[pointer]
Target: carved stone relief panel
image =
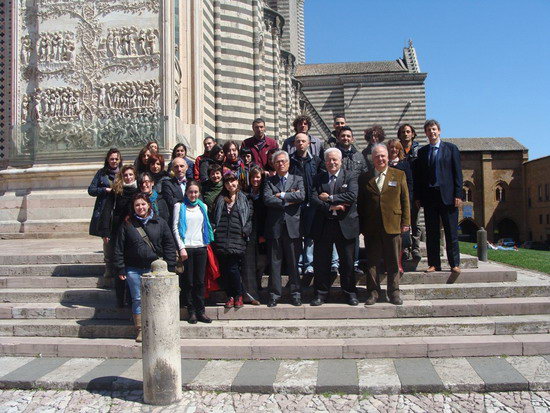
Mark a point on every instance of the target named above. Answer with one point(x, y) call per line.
point(89, 74)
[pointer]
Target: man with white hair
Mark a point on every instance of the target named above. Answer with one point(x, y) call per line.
point(336, 223)
point(384, 213)
point(283, 194)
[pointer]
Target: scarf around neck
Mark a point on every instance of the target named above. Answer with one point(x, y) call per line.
point(207, 233)
point(145, 220)
point(130, 185)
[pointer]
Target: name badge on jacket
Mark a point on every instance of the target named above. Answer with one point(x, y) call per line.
point(392, 183)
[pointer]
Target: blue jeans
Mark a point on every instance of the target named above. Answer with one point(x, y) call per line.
point(305, 262)
point(133, 277)
point(334, 262)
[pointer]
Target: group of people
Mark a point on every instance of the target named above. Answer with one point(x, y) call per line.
point(302, 207)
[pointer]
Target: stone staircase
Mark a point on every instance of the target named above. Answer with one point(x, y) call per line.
point(52, 303)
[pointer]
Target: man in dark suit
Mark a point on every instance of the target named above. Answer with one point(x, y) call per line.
point(173, 189)
point(438, 188)
point(336, 222)
point(384, 213)
point(283, 194)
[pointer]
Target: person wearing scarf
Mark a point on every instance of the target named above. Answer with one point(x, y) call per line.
point(133, 255)
point(193, 233)
point(101, 189)
point(146, 185)
point(232, 220)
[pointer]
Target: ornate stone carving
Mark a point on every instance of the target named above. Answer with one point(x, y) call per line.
point(127, 42)
point(89, 112)
point(128, 95)
point(61, 103)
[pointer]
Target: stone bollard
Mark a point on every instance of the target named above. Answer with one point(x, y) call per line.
point(161, 336)
point(482, 244)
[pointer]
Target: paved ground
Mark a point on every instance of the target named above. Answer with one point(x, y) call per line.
point(131, 401)
point(346, 376)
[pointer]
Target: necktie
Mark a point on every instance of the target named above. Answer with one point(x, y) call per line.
point(332, 183)
point(433, 155)
point(433, 166)
point(380, 181)
point(283, 181)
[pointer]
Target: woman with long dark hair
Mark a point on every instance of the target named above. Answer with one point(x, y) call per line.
point(142, 238)
point(216, 156)
point(193, 233)
point(254, 259)
point(232, 223)
point(141, 161)
point(234, 164)
point(155, 166)
point(100, 187)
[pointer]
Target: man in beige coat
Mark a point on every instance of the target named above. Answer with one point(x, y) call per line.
point(384, 213)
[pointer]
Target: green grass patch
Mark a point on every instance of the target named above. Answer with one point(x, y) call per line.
point(529, 259)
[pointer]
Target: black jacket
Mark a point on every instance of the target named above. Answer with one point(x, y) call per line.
point(117, 207)
point(449, 173)
point(353, 161)
point(172, 194)
point(258, 215)
point(404, 166)
point(98, 188)
point(132, 251)
point(232, 229)
point(345, 192)
point(307, 168)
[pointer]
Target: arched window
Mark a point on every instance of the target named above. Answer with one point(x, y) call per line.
point(500, 194)
point(467, 194)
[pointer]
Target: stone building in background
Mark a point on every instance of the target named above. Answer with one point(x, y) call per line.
point(387, 93)
point(537, 201)
point(493, 187)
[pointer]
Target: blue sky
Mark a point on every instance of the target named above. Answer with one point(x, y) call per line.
point(488, 61)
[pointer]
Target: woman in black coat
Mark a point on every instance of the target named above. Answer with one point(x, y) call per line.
point(101, 189)
point(232, 224)
point(135, 251)
point(254, 259)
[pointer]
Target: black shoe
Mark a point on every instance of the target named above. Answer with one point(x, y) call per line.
point(272, 302)
point(296, 302)
point(192, 319)
point(353, 301)
point(395, 298)
point(358, 270)
point(317, 302)
point(373, 298)
point(416, 255)
point(203, 318)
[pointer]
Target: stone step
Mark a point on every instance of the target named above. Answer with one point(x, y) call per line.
point(51, 282)
point(57, 295)
point(42, 235)
point(90, 275)
point(52, 259)
point(466, 261)
point(284, 329)
point(37, 270)
point(416, 309)
point(295, 348)
point(408, 292)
